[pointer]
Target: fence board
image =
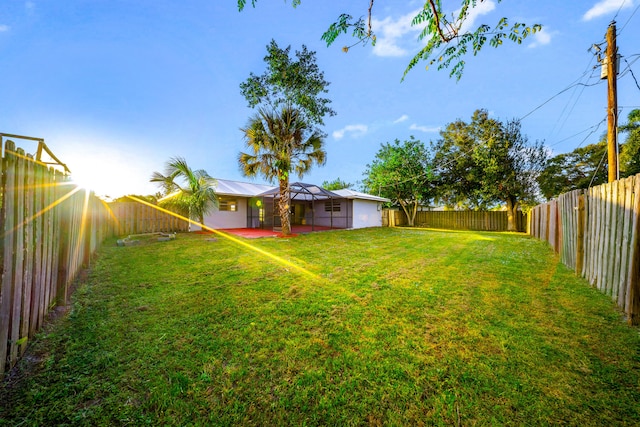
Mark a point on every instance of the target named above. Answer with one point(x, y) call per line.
point(589, 236)
point(627, 222)
point(8, 201)
point(36, 292)
point(18, 256)
point(617, 239)
point(611, 244)
point(602, 238)
point(29, 248)
point(633, 292)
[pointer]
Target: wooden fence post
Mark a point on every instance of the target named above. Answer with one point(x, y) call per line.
point(633, 295)
point(580, 236)
point(63, 248)
point(6, 249)
point(18, 256)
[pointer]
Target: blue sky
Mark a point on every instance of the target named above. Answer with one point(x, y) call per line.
point(118, 87)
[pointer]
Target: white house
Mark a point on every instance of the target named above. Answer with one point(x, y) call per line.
point(234, 200)
point(366, 209)
point(248, 205)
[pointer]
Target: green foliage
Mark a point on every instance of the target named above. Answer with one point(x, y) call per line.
point(630, 150)
point(243, 3)
point(578, 169)
point(402, 327)
point(401, 172)
point(485, 162)
point(342, 25)
point(336, 184)
point(187, 192)
point(281, 143)
point(290, 83)
point(440, 33)
point(446, 42)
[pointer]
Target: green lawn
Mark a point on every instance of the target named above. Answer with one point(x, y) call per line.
point(383, 327)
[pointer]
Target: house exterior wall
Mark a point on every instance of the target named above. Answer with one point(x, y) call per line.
point(227, 219)
point(366, 214)
point(323, 217)
point(353, 213)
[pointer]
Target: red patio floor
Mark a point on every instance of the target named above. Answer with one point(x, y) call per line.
point(254, 233)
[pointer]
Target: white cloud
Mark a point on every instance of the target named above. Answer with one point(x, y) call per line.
point(605, 7)
point(401, 119)
point(354, 130)
point(425, 129)
point(4, 28)
point(541, 38)
point(482, 8)
point(390, 33)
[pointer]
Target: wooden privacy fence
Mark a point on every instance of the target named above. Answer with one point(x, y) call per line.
point(456, 220)
point(49, 230)
point(136, 218)
point(596, 232)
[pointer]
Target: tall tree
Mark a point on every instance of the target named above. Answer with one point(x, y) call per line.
point(444, 38)
point(280, 144)
point(458, 183)
point(336, 184)
point(581, 168)
point(630, 151)
point(187, 191)
point(486, 162)
point(401, 172)
point(291, 83)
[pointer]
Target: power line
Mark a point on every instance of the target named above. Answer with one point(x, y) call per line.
point(558, 94)
point(596, 171)
point(632, 75)
point(628, 19)
point(619, 9)
point(566, 117)
point(594, 127)
point(629, 64)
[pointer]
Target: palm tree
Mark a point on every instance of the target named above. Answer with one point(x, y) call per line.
point(281, 143)
point(186, 191)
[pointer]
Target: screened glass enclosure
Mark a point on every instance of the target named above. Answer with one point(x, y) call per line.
point(311, 206)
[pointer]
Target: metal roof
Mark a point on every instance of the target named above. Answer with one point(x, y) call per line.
point(351, 194)
point(226, 187)
point(302, 191)
point(299, 191)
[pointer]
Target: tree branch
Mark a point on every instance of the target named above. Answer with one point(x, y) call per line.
point(444, 37)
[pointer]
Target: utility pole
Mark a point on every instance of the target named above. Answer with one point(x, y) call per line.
point(612, 101)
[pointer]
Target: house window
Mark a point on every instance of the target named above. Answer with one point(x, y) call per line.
point(227, 204)
point(332, 206)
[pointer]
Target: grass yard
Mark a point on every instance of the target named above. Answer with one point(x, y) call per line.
point(390, 327)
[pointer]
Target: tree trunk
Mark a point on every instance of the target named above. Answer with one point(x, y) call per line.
point(512, 209)
point(283, 206)
point(411, 216)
